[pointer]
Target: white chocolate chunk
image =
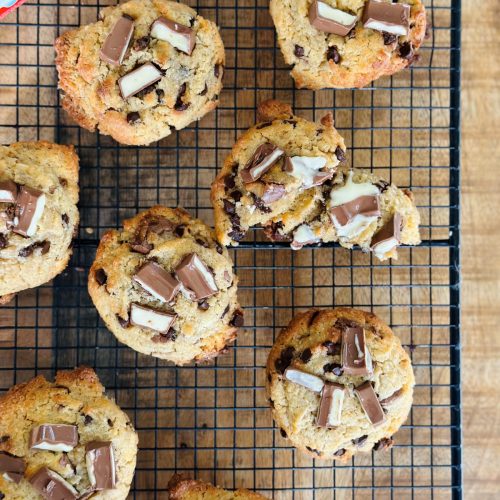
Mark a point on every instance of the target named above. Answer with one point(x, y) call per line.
point(53, 447)
point(306, 168)
point(351, 190)
point(337, 15)
point(175, 34)
point(307, 380)
point(354, 227)
point(395, 29)
point(139, 79)
point(384, 247)
point(150, 318)
point(303, 235)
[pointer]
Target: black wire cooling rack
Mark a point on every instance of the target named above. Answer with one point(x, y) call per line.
point(213, 421)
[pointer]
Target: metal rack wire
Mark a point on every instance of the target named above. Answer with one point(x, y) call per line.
point(213, 420)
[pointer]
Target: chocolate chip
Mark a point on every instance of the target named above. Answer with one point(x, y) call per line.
point(229, 207)
point(339, 453)
point(383, 444)
point(160, 93)
point(389, 38)
point(202, 243)
point(159, 226)
point(343, 323)
point(63, 182)
point(283, 362)
point(27, 251)
point(238, 319)
point(133, 117)
point(170, 336)
point(4, 439)
point(2, 496)
point(351, 34)
point(219, 249)
point(141, 43)
point(110, 423)
point(180, 105)
point(332, 54)
point(141, 247)
point(88, 420)
point(313, 317)
point(101, 277)
point(229, 181)
point(226, 310)
point(218, 68)
point(263, 125)
point(340, 154)
point(204, 91)
point(382, 185)
point(291, 122)
point(283, 433)
point(124, 323)
point(259, 203)
point(298, 51)
point(179, 230)
point(3, 241)
point(306, 355)
point(145, 91)
point(269, 378)
point(191, 21)
point(406, 50)
point(236, 195)
point(359, 441)
point(203, 305)
point(334, 368)
point(236, 234)
point(332, 348)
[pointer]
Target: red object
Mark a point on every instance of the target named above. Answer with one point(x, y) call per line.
point(8, 5)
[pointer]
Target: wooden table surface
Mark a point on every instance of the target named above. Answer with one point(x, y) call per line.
point(480, 248)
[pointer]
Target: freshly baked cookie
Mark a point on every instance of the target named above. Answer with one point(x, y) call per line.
point(38, 213)
point(283, 175)
point(165, 287)
point(339, 382)
point(347, 43)
point(180, 487)
point(276, 170)
point(146, 68)
point(64, 440)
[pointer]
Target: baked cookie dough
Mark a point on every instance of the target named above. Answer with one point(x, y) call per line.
point(347, 43)
point(285, 175)
point(339, 383)
point(38, 213)
point(180, 487)
point(64, 440)
point(146, 68)
point(165, 287)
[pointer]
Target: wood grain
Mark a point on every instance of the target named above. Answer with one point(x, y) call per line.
point(480, 248)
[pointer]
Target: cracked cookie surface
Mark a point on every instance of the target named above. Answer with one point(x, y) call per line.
point(51, 171)
point(312, 344)
point(297, 196)
point(189, 86)
point(75, 398)
point(181, 487)
point(323, 60)
point(200, 327)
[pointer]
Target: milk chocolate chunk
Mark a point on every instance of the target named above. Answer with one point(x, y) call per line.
point(388, 237)
point(267, 192)
point(138, 79)
point(307, 380)
point(52, 486)
point(196, 277)
point(54, 437)
point(101, 465)
point(8, 191)
point(308, 170)
point(367, 206)
point(29, 209)
point(147, 317)
point(11, 467)
point(179, 36)
point(158, 282)
point(388, 17)
point(265, 156)
point(303, 235)
point(117, 42)
point(370, 403)
point(330, 407)
point(356, 359)
point(330, 20)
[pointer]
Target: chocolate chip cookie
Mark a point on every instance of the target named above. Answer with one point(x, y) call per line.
point(64, 440)
point(38, 213)
point(165, 287)
point(181, 487)
point(286, 175)
point(339, 383)
point(145, 69)
point(347, 43)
